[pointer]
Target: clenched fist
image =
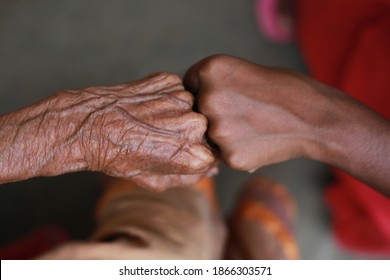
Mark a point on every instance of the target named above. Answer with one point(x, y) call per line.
point(262, 115)
point(145, 131)
point(257, 115)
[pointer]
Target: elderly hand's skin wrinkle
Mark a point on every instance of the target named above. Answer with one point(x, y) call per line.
point(261, 115)
point(145, 130)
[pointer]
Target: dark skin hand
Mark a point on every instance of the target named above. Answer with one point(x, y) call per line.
point(145, 131)
point(262, 115)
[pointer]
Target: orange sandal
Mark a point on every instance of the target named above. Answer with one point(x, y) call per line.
point(261, 226)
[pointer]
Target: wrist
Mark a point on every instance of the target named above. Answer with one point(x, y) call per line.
point(341, 130)
point(60, 132)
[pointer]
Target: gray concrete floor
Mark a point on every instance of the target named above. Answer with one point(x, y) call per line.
point(47, 46)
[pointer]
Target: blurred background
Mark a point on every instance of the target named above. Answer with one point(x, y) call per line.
point(47, 46)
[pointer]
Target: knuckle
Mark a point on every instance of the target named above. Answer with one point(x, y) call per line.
point(171, 79)
point(198, 119)
point(157, 82)
point(197, 124)
point(201, 121)
point(235, 160)
point(214, 64)
point(184, 96)
point(202, 124)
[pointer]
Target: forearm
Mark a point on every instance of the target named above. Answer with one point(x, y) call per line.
point(358, 142)
point(40, 140)
point(144, 130)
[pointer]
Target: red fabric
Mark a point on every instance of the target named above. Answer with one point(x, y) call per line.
point(346, 43)
point(35, 243)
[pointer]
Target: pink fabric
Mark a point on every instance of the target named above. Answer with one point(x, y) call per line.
point(269, 21)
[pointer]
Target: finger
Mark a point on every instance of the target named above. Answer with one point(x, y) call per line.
point(183, 96)
point(190, 126)
point(159, 82)
point(170, 103)
point(154, 83)
point(165, 154)
point(241, 156)
point(159, 183)
point(194, 127)
point(191, 78)
point(196, 159)
point(165, 106)
point(197, 75)
point(189, 159)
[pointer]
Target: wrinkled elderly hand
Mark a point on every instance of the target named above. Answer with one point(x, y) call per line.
point(145, 131)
